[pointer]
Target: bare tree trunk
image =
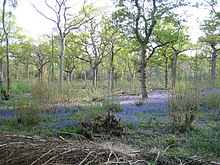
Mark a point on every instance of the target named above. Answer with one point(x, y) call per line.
point(8, 70)
point(166, 73)
point(39, 76)
point(142, 72)
point(95, 76)
point(52, 59)
point(61, 62)
point(174, 67)
point(1, 76)
point(213, 67)
point(27, 71)
point(111, 72)
point(17, 71)
point(8, 92)
point(71, 76)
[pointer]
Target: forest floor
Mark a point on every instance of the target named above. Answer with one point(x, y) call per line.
point(149, 139)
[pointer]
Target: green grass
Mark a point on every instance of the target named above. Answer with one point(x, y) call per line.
point(201, 140)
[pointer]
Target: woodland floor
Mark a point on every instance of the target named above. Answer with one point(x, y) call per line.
point(138, 146)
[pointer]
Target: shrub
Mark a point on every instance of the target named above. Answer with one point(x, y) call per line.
point(183, 108)
point(111, 106)
point(103, 124)
point(20, 87)
point(43, 93)
point(27, 113)
point(97, 109)
point(211, 101)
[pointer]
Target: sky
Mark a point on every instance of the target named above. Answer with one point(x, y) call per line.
point(35, 24)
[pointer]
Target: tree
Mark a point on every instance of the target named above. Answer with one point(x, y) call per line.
point(41, 56)
point(212, 38)
point(114, 47)
point(22, 52)
point(139, 18)
point(6, 31)
point(66, 21)
point(167, 31)
point(70, 63)
point(93, 42)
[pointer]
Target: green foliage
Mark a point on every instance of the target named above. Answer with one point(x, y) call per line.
point(27, 113)
point(43, 93)
point(112, 106)
point(20, 87)
point(211, 101)
point(183, 109)
point(97, 109)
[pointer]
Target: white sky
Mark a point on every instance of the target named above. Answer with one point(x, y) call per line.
point(35, 24)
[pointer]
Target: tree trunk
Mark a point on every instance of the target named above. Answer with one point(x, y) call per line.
point(8, 69)
point(213, 67)
point(71, 76)
point(1, 76)
point(17, 71)
point(39, 75)
point(95, 76)
point(61, 62)
point(111, 72)
point(142, 72)
point(174, 67)
point(52, 59)
point(166, 73)
point(27, 71)
point(8, 92)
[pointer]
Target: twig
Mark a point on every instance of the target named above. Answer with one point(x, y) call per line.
point(54, 157)
point(41, 157)
point(167, 148)
point(65, 140)
point(2, 145)
point(158, 155)
point(75, 134)
point(85, 158)
point(215, 163)
point(95, 156)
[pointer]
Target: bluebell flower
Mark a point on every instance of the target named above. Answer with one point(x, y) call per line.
point(9, 114)
point(72, 124)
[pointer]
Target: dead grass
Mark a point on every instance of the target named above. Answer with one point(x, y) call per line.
point(20, 150)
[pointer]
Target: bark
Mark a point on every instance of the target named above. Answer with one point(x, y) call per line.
point(142, 72)
point(52, 60)
point(61, 62)
point(1, 76)
point(213, 67)
point(95, 76)
point(166, 73)
point(174, 68)
point(40, 75)
point(17, 71)
point(8, 92)
point(112, 70)
point(71, 76)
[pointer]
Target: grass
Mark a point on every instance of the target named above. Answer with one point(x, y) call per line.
point(201, 141)
point(154, 131)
